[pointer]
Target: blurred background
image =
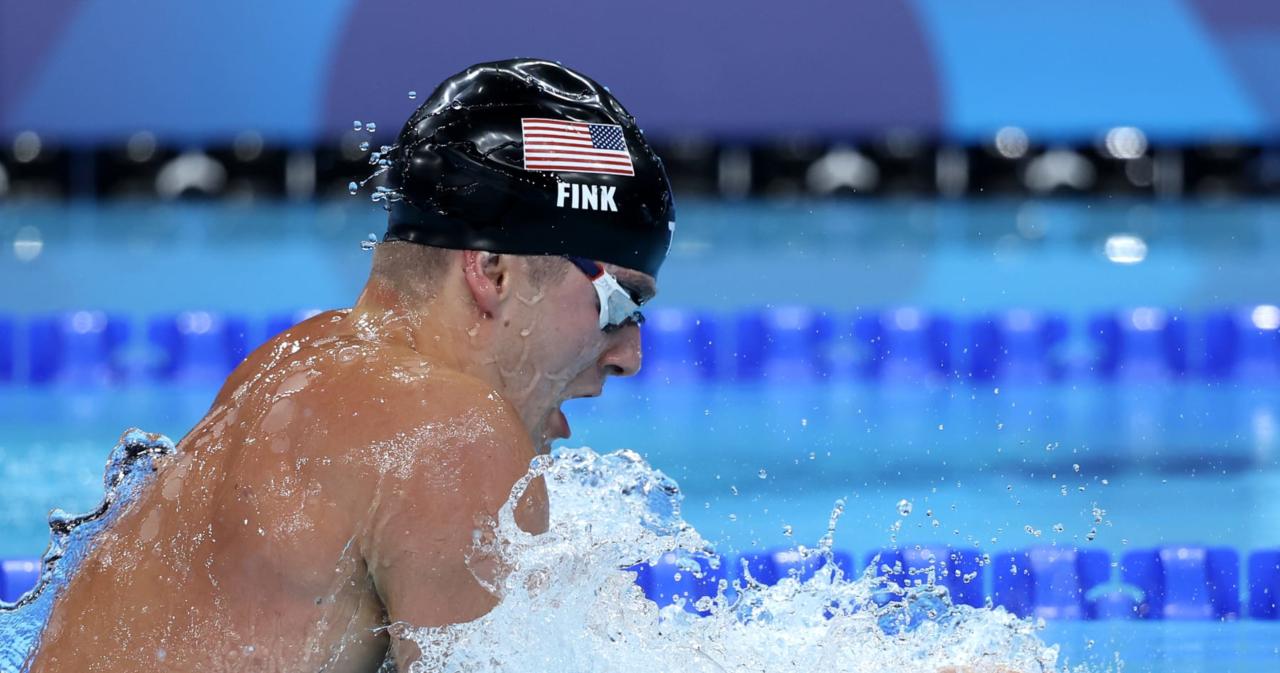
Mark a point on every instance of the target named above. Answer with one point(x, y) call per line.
point(1003, 276)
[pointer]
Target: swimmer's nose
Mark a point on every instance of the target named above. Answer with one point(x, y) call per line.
point(622, 358)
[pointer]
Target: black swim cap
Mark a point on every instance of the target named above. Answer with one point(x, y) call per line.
point(529, 157)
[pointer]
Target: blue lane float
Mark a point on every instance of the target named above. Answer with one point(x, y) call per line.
point(1173, 583)
point(1049, 582)
point(679, 346)
point(900, 346)
point(769, 567)
point(1140, 344)
point(78, 348)
point(782, 344)
point(1018, 346)
point(907, 345)
point(1264, 584)
point(17, 577)
point(1185, 582)
point(197, 347)
point(1239, 343)
point(8, 350)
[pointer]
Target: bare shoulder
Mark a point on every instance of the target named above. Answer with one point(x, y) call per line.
point(405, 419)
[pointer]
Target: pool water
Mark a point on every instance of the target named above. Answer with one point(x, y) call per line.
point(996, 464)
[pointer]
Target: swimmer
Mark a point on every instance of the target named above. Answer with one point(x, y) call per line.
point(338, 483)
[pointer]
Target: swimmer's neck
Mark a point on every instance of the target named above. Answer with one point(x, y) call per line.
point(446, 330)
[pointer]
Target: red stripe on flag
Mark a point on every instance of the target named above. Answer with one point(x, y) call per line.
point(571, 169)
point(583, 162)
point(557, 143)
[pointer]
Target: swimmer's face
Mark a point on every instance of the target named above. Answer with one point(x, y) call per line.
point(553, 348)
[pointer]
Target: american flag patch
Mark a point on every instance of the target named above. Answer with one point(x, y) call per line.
point(575, 147)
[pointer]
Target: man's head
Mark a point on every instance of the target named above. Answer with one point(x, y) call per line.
point(530, 211)
point(530, 325)
point(529, 157)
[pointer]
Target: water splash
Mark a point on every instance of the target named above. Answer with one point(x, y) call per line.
point(129, 465)
point(572, 587)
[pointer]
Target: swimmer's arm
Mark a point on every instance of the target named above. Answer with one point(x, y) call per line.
point(424, 528)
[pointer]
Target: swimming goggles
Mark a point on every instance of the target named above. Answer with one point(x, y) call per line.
point(617, 306)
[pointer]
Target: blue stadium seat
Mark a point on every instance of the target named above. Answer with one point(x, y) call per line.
point(768, 567)
point(679, 346)
point(908, 345)
point(197, 346)
point(8, 350)
point(1018, 345)
point(1264, 584)
point(1185, 582)
point(1047, 581)
point(959, 570)
point(1141, 344)
point(677, 575)
point(1242, 343)
point(17, 577)
point(783, 344)
point(79, 348)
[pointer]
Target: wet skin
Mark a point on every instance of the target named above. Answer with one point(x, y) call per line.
point(336, 483)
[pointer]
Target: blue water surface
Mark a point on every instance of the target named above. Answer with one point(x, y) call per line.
point(994, 465)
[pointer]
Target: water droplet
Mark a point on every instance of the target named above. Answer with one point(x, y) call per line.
point(353, 187)
point(1063, 490)
point(364, 146)
point(413, 95)
point(1093, 533)
point(786, 530)
point(371, 127)
point(356, 125)
point(1032, 530)
point(1058, 528)
point(733, 517)
point(733, 490)
point(904, 507)
point(1076, 467)
point(763, 474)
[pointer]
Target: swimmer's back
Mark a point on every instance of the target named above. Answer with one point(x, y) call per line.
point(320, 498)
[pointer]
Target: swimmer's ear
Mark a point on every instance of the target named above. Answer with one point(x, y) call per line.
point(488, 277)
